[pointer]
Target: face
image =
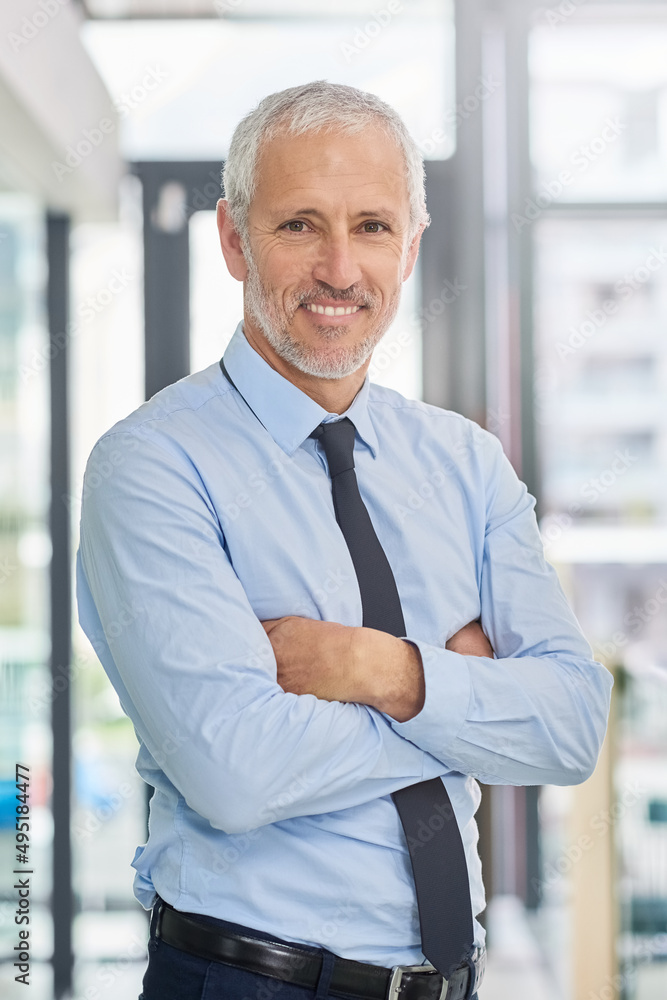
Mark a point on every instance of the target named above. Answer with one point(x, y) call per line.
point(329, 248)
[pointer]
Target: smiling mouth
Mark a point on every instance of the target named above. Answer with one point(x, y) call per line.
point(332, 310)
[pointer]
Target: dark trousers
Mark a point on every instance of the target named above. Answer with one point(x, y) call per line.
point(176, 975)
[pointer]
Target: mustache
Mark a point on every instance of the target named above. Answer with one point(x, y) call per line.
point(347, 296)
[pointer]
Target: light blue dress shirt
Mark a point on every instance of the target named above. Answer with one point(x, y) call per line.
point(202, 518)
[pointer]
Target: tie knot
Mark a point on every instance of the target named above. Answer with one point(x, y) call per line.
point(338, 442)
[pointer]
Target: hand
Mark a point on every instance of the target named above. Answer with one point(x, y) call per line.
point(470, 641)
point(344, 663)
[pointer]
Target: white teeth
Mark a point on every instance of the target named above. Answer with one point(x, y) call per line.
point(332, 311)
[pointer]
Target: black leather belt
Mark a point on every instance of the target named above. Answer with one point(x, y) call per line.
point(293, 964)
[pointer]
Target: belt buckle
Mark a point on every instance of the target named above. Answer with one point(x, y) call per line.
point(397, 973)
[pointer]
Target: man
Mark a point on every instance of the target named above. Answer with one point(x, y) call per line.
point(232, 558)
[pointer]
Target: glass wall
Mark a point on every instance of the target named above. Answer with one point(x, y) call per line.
point(599, 153)
point(109, 806)
point(25, 680)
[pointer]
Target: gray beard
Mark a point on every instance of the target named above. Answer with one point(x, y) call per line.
point(304, 358)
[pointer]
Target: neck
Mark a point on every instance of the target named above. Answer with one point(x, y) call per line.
point(334, 394)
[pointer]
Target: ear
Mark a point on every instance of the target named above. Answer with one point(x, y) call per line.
point(413, 251)
point(230, 242)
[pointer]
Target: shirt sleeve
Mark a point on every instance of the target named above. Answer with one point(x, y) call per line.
point(188, 656)
point(537, 714)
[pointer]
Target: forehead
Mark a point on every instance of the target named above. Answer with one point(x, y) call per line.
point(333, 166)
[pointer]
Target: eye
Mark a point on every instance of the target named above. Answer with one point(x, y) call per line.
point(295, 222)
point(380, 226)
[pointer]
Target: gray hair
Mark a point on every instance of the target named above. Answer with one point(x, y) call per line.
point(308, 108)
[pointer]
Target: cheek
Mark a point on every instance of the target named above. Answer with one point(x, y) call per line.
point(383, 270)
point(285, 275)
point(389, 287)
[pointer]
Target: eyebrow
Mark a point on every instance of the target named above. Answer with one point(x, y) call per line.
point(378, 213)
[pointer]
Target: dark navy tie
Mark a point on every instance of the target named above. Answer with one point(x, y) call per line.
point(426, 813)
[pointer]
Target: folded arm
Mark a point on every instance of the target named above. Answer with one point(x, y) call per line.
point(363, 665)
point(535, 714)
point(164, 609)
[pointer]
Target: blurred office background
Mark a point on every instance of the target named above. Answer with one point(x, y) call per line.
point(538, 308)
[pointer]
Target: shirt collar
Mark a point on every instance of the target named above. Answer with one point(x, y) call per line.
point(288, 414)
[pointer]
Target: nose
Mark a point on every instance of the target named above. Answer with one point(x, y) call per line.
point(337, 264)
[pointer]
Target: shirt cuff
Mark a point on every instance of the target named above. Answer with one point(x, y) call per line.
point(448, 692)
